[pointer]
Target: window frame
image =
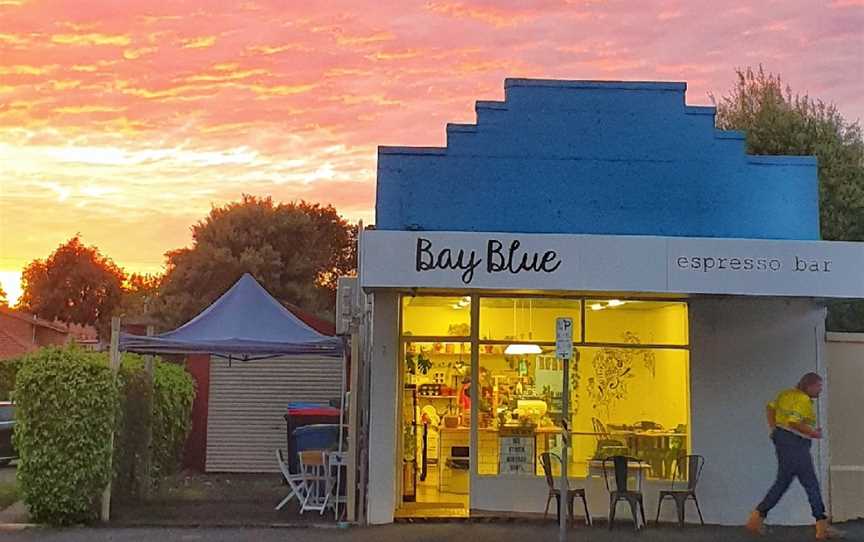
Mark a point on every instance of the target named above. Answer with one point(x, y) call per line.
point(476, 343)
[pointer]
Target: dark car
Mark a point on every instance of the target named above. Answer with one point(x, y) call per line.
point(7, 425)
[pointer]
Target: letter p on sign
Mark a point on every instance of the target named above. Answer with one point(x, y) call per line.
point(564, 338)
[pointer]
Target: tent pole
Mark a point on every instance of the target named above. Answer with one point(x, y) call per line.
point(351, 488)
point(341, 425)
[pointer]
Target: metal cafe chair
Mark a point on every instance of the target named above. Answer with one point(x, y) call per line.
point(546, 461)
point(619, 466)
point(688, 468)
point(295, 481)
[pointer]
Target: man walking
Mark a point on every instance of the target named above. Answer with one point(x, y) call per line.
point(793, 424)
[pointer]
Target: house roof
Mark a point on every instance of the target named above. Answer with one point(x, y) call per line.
point(322, 326)
point(11, 346)
point(34, 320)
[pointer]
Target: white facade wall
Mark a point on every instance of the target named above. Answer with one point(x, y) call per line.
point(844, 353)
point(743, 351)
point(383, 401)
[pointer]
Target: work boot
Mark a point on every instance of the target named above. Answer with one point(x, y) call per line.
point(754, 523)
point(824, 531)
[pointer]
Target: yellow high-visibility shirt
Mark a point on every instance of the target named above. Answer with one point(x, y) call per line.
point(793, 406)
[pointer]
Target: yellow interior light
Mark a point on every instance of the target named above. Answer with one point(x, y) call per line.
point(522, 349)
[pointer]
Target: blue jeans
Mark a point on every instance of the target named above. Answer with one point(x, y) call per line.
point(793, 460)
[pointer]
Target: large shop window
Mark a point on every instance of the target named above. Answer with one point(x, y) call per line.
point(433, 316)
point(629, 379)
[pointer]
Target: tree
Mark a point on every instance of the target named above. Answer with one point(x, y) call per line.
point(778, 122)
point(295, 250)
point(4, 299)
point(140, 296)
point(76, 284)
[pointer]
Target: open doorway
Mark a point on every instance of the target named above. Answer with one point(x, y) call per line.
point(435, 417)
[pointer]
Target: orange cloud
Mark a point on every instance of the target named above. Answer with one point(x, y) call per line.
point(364, 40)
point(281, 90)
point(13, 39)
point(133, 54)
point(395, 55)
point(65, 84)
point(86, 109)
point(487, 14)
point(199, 43)
point(276, 49)
point(25, 70)
point(90, 39)
point(229, 76)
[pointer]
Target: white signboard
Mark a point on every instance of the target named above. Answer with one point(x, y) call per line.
point(516, 452)
point(448, 260)
point(564, 337)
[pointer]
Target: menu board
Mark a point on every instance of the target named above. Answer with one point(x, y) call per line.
point(516, 452)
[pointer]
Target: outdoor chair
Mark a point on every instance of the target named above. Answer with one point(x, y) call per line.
point(619, 488)
point(606, 445)
point(546, 461)
point(688, 470)
point(316, 477)
point(296, 482)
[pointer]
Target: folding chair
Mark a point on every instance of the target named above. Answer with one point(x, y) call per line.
point(316, 478)
point(295, 481)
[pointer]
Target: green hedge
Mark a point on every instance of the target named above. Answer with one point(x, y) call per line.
point(66, 402)
point(173, 394)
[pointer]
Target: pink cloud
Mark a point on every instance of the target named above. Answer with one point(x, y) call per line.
point(178, 105)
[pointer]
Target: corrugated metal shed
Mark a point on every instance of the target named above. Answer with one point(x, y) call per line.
point(248, 400)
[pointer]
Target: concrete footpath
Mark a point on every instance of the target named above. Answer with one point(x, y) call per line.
point(445, 532)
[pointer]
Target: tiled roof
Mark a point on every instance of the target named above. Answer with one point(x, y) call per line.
point(11, 346)
point(34, 320)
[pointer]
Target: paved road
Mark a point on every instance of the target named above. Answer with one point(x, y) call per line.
point(454, 532)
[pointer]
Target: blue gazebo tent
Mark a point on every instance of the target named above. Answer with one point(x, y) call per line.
point(246, 322)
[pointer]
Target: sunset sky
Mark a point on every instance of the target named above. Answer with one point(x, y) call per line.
point(126, 120)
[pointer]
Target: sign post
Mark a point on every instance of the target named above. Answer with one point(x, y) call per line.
point(564, 351)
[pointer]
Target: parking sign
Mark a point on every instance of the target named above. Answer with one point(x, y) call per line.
point(564, 337)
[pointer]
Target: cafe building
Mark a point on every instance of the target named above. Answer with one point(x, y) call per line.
point(693, 273)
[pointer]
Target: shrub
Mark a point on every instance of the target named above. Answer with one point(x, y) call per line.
point(8, 371)
point(66, 405)
point(173, 394)
point(131, 429)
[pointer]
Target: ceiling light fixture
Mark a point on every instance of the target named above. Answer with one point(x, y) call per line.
point(522, 349)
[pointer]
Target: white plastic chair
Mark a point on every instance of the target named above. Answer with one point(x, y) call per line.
point(297, 482)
